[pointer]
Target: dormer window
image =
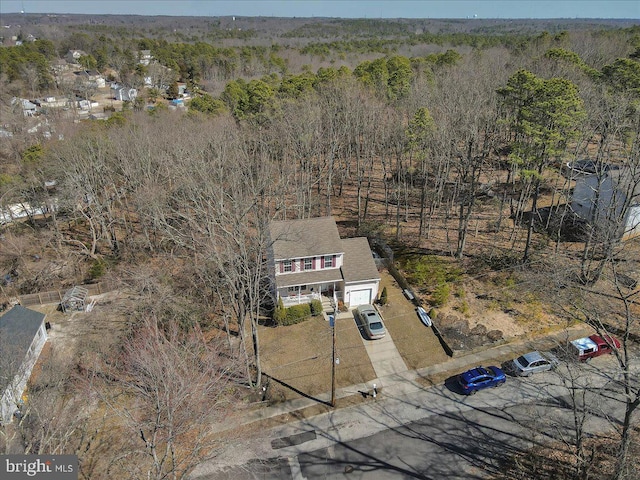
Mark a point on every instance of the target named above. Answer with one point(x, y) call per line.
point(328, 261)
point(308, 263)
point(287, 266)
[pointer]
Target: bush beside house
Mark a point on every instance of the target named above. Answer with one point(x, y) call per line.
point(297, 313)
point(316, 307)
point(383, 297)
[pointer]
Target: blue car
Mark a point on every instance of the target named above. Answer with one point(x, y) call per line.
point(479, 378)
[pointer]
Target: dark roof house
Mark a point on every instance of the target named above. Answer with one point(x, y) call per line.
point(609, 200)
point(22, 336)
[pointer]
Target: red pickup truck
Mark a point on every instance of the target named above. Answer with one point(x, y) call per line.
point(594, 346)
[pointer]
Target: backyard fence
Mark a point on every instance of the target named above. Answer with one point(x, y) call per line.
point(56, 296)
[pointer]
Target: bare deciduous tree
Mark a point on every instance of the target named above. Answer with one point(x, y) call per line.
point(175, 383)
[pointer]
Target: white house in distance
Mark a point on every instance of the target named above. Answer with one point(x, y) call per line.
point(124, 94)
point(144, 57)
point(22, 336)
point(74, 55)
point(310, 261)
point(609, 199)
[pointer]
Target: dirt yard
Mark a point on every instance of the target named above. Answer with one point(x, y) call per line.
point(77, 332)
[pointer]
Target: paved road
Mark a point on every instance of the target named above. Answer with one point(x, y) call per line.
point(462, 445)
point(427, 433)
point(467, 444)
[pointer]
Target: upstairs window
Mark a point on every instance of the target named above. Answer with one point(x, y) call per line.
point(287, 266)
point(328, 261)
point(308, 263)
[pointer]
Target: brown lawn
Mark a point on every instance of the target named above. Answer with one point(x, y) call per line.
point(417, 344)
point(299, 356)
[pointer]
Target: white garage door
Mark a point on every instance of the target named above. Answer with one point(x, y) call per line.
point(360, 297)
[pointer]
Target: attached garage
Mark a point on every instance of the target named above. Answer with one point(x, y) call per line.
point(361, 277)
point(360, 297)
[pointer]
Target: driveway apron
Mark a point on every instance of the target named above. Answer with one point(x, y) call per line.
point(384, 356)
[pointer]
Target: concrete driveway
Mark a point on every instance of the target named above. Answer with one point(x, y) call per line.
point(384, 355)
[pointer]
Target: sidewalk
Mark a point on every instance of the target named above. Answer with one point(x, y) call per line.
point(406, 382)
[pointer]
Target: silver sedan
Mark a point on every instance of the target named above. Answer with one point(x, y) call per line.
point(534, 362)
point(371, 321)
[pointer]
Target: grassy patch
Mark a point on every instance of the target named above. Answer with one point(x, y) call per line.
point(432, 275)
point(417, 344)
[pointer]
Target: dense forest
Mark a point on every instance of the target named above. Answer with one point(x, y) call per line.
point(449, 138)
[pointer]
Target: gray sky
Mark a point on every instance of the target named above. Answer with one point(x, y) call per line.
point(629, 9)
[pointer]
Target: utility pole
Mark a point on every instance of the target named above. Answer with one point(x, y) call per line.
point(332, 324)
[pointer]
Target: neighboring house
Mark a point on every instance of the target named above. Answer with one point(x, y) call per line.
point(16, 211)
point(124, 94)
point(91, 78)
point(74, 55)
point(22, 336)
point(310, 261)
point(97, 78)
point(59, 66)
point(144, 57)
point(53, 102)
point(84, 105)
point(29, 108)
point(609, 200)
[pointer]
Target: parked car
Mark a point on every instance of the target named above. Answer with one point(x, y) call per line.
point(371, 321)
point(594, 346)
point(534, 362)
point(480, 378)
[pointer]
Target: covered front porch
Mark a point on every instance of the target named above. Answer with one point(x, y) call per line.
point(297, 294)
point(303, 287)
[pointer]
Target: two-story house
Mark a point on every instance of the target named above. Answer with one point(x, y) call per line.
point(310, 261)
point(22, 336)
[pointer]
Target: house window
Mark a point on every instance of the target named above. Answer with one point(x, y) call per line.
point(308, 263)
point(300, 288)
point(328, 261)
point(287, 266)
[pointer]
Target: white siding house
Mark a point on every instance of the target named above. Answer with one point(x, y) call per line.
point(310, 261)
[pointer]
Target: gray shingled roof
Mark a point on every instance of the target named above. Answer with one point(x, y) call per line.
point(309, 278)
point(18, 327)
point(358, 262)
point(305, 237)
